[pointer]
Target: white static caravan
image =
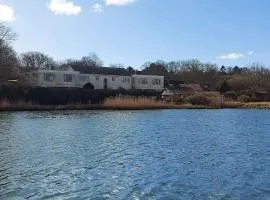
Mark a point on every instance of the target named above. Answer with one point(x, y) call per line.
point(147, 82)
point(52, 78)
point(115, 82)
point(94, 78)
point(100, 81)
point(103, 77)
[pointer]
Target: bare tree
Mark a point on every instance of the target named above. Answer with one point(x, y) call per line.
point(8, 62)
point(92, 60)
point(36, 61)
point(6, 34)
point(131, 70)
point(146, 65)
point(8, 57)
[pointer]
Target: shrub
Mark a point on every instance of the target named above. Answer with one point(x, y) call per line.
point(222, 86)
point(198, 100)
point(238, 83)
point(244, 98)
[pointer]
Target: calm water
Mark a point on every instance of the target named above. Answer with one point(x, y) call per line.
point(166, 154)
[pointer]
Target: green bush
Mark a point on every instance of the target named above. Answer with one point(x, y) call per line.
point(198, 100)
point(244, 98)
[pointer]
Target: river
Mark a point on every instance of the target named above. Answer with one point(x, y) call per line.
point(160, 154)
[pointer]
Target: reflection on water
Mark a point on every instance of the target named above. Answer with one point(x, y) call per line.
point(165, 154)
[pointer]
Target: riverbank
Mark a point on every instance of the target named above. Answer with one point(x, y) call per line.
point(234, 105)
point(133, 103)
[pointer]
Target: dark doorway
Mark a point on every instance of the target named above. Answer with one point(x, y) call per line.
point(105, 83)
point(89, 86)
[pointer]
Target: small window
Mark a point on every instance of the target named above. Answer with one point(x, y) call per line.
point(67, 77)
point(34, 77)
point(49, 77)
point(113, 78)
point(143, 81)
point(125, 80)
point(97, 78)
point(156, 82)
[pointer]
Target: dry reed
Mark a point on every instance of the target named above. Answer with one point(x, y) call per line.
point(127, 102)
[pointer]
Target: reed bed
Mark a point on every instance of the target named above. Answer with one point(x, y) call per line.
point(256, 105)
point(20, 103)
point(127, 102)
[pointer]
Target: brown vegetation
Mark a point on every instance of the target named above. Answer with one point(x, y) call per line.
point(127, 102)
point(256, 105)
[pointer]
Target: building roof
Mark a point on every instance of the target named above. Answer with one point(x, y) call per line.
point(100, 70)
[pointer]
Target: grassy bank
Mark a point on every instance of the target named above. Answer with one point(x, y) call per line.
point(256, 105)
point(128, 103)
point(113, 103)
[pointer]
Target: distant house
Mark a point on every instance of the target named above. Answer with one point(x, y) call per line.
point(80, 76)
point(103, 77)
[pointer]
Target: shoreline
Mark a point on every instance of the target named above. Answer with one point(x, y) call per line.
point(253, 105)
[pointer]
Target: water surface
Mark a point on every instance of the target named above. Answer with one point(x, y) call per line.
point(163, 154)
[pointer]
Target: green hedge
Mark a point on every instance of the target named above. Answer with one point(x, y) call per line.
point(61, 96)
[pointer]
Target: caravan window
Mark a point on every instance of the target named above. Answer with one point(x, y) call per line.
point(49, 77)
point(142, 81)
point(156, 82)
point(34, 77)
point(125, 80)
point(67, 77)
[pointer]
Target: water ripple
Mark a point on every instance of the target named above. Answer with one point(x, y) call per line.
point(166, 154)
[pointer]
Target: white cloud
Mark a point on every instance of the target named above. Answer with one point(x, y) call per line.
point(250, 53)
point(64, 7)
point(119, 2)
point(231, 56)
point(7, 13)
point(97, 7)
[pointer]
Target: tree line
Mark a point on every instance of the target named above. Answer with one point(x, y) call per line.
point(251, 77)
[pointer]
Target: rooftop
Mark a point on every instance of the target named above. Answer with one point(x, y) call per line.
point(100, 70)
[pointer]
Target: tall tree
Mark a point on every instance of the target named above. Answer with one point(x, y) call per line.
point(157, 68)
point(222, 86)
point(36, 61)
point(6, 34)
point(236, 70)
point(131, 70)
point(223, 69)
point(8, 62)
point(8, 57)
point(92, 60)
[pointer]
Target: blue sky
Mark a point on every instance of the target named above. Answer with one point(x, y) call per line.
point(229, 32)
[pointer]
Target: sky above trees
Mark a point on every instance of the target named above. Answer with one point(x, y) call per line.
point(232, 32)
